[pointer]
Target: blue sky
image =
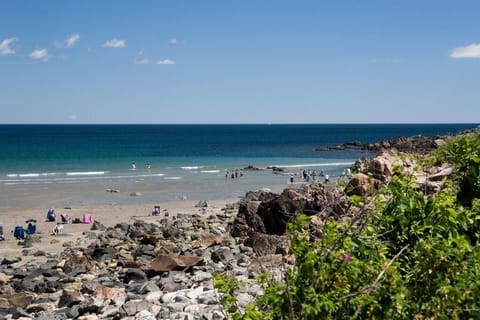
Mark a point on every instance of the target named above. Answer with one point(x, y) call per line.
point(244, 61)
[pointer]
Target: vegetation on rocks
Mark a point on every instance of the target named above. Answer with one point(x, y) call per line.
point(399, 254)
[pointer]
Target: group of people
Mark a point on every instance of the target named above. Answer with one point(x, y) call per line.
point(52, 216)
point(235, 174)
point(309, 175)
point(134, 166)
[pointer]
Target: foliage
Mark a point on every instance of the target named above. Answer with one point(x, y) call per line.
point(463, 152)
point(227, 287)
point(402, 255)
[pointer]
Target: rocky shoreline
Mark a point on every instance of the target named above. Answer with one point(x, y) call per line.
point(160, 270)
point(164, 269)
point(416, 144)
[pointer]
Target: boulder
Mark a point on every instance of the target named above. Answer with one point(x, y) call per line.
point(164, 263)
point(69, 298)
point(97, 225)
point(359, 185)
point(80, 263)
point(266, 244)
point(20, 299)
point(202, 204)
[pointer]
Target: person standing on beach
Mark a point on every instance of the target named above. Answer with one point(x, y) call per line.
point(134, 167)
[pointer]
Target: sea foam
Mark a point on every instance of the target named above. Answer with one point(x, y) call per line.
point(85, 173)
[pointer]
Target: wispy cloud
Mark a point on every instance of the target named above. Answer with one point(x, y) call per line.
point(470, 51)
point(173, 41)
point(141, 61)
point(67, 43)
point(72, 40)
point(40, 54)
point(6, 46)
point(115, 43)
point(166, 61)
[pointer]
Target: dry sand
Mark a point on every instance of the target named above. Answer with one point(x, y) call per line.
point(109, 215)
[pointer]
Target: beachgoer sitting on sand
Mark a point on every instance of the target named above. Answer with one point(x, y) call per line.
point(156, 211)
point(64, 218)
point(51, 215)
point(57, 229)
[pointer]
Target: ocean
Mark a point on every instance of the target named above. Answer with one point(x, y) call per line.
point(75, 164)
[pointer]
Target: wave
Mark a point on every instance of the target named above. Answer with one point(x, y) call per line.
point(210, 171)
point(85, 173)
point(71, 177)
point(323, 164)
point(30, 175)
point(192, 168)
point(172, 178)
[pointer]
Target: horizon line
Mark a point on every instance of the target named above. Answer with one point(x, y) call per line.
point(243, 123)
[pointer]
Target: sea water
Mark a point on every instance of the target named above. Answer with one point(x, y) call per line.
point(77, 164)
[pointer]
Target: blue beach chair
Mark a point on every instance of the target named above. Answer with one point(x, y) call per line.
point(19, 233)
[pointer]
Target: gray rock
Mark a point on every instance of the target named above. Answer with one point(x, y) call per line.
point(144, 315)
point(223, 254)
point(202, 204)
point(201, 276)
point(11, 260)
point(132, 307)
point(135, 274)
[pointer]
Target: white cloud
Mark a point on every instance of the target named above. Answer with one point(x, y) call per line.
point(72, 40)
point(470, 51)
point(67, 43)
point(115, 43)
point(166, 61)
point(72, 117)
point(6, 46)
point(173, 41)
point(40, 54)
point(141, 61)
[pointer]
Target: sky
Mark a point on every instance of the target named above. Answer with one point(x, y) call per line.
point(205, 61)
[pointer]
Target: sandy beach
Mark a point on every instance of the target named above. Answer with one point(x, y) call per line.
point(109, 215)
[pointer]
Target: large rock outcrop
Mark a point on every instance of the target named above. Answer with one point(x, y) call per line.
point(262, 224)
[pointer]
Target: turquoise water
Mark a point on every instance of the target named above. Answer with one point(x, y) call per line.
point(76, 163)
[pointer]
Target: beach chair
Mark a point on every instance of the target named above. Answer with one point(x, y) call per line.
point(19, 233)
point(156, 211)
point(87, 218)
point(31, 226)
